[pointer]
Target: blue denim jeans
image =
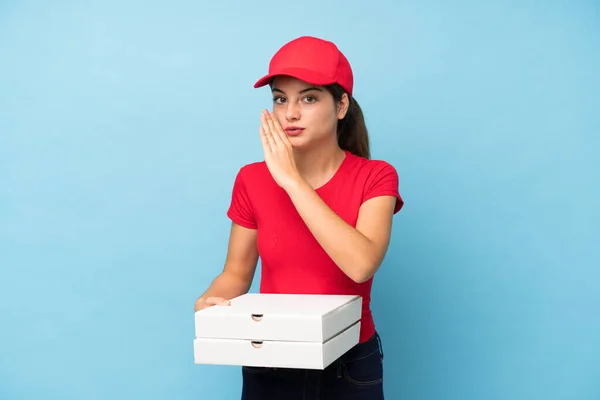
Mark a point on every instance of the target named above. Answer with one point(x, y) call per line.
point(357, 375)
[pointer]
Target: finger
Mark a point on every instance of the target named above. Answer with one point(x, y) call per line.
point(217, 301)
point(276, 133)
point(266, 134)
point(265, 139)
point(279, 129)
point(211, 301)
point(271, 131)
point(266, 130)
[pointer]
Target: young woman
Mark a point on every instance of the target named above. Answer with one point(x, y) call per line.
point(318, 211)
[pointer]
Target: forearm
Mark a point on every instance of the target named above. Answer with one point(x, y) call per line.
point(228, 286)
point(352, 252)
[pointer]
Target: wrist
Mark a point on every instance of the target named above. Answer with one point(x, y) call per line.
point(295, 184)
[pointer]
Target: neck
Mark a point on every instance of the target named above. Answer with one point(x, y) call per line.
point(318, 165)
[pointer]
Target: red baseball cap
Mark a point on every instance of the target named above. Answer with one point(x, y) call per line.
point(313, 60)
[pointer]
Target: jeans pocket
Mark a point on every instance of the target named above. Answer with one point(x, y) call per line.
point(367, 370)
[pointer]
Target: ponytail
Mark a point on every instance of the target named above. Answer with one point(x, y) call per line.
point(351, 130)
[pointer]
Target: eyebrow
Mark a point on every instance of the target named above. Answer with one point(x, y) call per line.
point(300, 92)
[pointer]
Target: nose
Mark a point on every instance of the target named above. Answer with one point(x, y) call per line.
point(292, 112)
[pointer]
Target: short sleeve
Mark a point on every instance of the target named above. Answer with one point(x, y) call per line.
point(240, 209)
point(383, 181)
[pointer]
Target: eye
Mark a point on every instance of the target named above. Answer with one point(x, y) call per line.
point(310, 99)
point(278, 99)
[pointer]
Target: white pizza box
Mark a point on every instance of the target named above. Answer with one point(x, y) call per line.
point(287, 317)
point(278, 330)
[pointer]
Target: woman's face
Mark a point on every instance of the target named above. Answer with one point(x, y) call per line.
point(307, 113)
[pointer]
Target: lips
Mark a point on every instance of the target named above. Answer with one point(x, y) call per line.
point(293, 130)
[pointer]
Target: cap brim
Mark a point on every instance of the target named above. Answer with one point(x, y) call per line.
point(306, 75)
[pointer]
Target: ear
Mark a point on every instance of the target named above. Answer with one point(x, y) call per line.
point(343, 105)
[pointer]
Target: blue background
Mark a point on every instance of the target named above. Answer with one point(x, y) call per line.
point(123, 124)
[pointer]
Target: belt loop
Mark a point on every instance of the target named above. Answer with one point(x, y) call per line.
point(380, 345)
point(339, 367)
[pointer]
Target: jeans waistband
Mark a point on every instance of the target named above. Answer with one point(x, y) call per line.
point(364, 349)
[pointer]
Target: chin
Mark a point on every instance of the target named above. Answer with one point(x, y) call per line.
point(296, 141)
point(304, 143)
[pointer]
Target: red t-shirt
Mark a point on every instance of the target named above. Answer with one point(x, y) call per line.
point(291, 258)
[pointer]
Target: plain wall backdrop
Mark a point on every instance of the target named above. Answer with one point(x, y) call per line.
point(123, 124)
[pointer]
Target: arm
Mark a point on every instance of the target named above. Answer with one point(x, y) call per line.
point(359, 251)
point(239, 269)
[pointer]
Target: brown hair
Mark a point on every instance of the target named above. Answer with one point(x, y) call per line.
point(351, 130)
